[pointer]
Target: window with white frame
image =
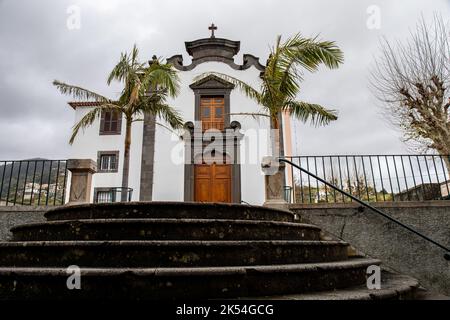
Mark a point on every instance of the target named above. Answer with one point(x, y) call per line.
point(108, 161)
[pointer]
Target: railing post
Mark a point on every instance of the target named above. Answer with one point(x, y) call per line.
point(274, 183)
point(81, 182)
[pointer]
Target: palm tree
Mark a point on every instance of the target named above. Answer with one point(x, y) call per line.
point(281, 82)
point(145, 91)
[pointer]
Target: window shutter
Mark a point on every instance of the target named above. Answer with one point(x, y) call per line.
point(119, 122)
point(102, 122)
point(113, 162)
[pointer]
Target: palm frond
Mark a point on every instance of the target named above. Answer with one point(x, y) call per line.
point(161, 76)
point(247, 89)
point(91, 116)
point(169, 115)
point(310, 52)
point(162, 110)
point(128, 69)
point(304, 111)
point(79, 93)
point(120, 70)
point(253, 114)
point(167, 128)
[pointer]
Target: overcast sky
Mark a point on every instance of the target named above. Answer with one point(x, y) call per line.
point(36, 46)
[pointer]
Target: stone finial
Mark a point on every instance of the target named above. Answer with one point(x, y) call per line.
point(212, 27)
point(274, 182)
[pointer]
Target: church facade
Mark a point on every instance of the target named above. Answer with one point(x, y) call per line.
point(216, 158)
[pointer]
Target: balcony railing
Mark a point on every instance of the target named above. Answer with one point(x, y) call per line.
point(32, 182)
point(367, 205)
point(117, 194)
point(371, 178)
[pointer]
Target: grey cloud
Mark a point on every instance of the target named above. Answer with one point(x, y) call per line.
point(36, 47)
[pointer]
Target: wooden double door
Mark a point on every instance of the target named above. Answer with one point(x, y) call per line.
point(212, 182)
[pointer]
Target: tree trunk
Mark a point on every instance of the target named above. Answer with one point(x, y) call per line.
point(445, 156)
point(126, 161)
point(276, 126)
point(147, 158)
point(444, 151)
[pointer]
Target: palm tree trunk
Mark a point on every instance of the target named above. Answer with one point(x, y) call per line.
point(126, 161)
point(147, 158)
point(276, 127)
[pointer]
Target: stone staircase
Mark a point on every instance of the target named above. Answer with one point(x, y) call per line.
point(163, 250)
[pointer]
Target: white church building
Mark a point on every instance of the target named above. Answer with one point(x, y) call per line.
point(193, 164)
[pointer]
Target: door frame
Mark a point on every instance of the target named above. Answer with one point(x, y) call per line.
point(212, 86)
point(211, 171)
point(192, 153)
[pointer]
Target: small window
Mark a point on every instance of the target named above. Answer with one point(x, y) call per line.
point(110, 122)
point(219, 113)
point(206, 112)
point(104, 196)
point(212, 112)
point(108, 161)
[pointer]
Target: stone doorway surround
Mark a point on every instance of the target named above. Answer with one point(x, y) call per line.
point(197, 144)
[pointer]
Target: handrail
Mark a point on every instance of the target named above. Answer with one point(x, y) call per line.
point(367, 205)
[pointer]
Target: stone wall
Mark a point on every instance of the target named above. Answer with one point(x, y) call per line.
point(378, 237)
point(16, 215)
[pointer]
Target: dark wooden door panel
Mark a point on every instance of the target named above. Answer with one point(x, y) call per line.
point(213, 183)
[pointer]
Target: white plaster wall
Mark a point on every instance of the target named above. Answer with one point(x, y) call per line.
point(169, 152)
point(169, 148)
point(89, 142)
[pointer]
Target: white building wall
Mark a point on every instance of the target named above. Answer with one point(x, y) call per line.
point(169, 151)
point(89, 142)
point(169, 148)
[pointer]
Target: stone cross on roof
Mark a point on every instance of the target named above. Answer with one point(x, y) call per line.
point(212, 27)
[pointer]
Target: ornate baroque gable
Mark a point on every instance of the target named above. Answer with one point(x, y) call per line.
point(211, 82)
point(214, 49)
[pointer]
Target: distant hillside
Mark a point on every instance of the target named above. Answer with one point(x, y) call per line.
point(19, 172)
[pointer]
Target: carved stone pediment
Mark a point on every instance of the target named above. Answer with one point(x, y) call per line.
point(214, 49)
point(211, 82)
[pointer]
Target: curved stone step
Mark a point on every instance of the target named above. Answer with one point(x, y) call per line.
point(172, 283)
point(393, 287)
point(183, 210)
point(165, 229)
point(144, 254)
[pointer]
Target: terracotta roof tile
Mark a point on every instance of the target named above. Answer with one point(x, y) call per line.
point(76, 104)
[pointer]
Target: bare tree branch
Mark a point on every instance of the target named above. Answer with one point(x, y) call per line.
point(412, 81)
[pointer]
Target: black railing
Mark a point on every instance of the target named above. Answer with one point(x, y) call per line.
point(33, 182)
point(367, 205)
point(116, 194)
point(372, 178)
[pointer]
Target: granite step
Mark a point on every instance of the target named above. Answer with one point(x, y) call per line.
point(140, 254)
point(182, 210)
point(172, 283)
point(393, 287)
point(164, 229)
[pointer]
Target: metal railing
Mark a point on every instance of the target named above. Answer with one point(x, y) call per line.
point(367, 205)
point(116, 194)
point(33, 182)
point(372, 178)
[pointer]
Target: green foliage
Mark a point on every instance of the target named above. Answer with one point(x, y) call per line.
point(283, 75)
point(145, 89)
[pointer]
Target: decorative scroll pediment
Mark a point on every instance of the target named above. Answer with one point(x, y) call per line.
point(211, 82)
point(214, 49)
